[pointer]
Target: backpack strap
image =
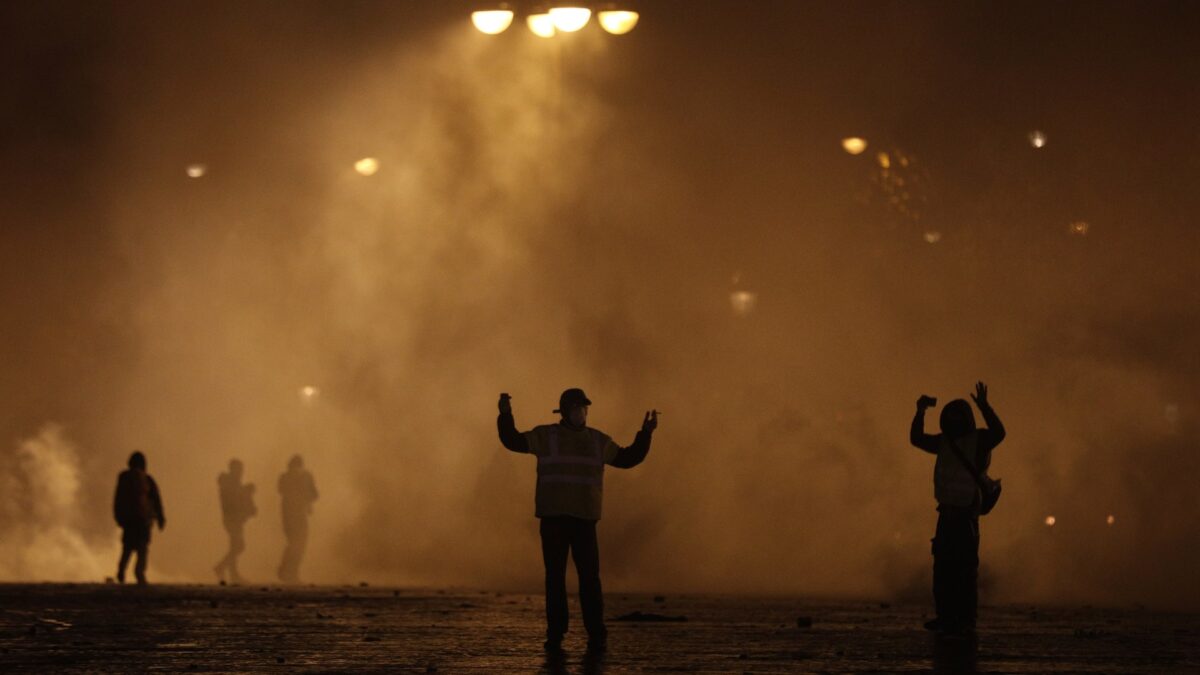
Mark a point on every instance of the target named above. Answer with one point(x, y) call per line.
point(967, 463)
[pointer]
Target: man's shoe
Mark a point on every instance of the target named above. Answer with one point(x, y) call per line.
point(553, 645)
point(936, 625)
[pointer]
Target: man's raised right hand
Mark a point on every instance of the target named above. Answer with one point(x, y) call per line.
point(505, 404)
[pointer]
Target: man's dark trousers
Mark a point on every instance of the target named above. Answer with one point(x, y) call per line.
point(956, 566)
point(561, 534)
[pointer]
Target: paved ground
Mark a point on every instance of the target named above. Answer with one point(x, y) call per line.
point(98, 628)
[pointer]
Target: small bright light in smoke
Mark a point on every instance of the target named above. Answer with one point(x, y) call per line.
point(1110, 519)
point(1037, 139)
point(854, 145)
point(933, 237)
point(1079, 228)
point(492, 21)
point(367, 166)
point(1171, 413)
point(570, 19)
point(885, 161)
point(196, 170)
point(1050, 520)
point(309, 393)
point(618, 22)
point(541, 25)
point(743, 302)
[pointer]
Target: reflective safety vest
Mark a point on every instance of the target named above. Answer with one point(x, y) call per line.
point(953, 484)
point(570, 469)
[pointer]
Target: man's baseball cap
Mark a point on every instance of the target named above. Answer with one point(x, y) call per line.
point(571, 398)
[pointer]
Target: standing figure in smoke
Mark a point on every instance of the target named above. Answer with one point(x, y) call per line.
point(237, 506)
point(136, 506)
point(298, 492)
point(570, 481)
point(963, 455)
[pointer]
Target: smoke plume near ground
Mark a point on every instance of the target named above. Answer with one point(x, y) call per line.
point(578, 213)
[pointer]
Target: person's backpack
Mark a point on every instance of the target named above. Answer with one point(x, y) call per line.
point(989, 489)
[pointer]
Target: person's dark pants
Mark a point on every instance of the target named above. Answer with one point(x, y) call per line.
point(237, 545)
point(295, 530)
point(135, 538)
point(561, 534)
point(956, 566)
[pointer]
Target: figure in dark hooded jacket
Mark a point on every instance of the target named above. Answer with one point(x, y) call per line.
point(136, 506)
point(237, 506)
point(298, 492)
point(956, 541)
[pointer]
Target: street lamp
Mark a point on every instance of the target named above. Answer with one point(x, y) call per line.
point(617, 19)
point(493, 21)
point(541, 25)
point(569, 19)
point(546, 20)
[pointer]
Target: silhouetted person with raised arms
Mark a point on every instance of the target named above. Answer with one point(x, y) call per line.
point(136, 506)
point(298, 492)
point(963, 456)
point(570, 482)
point(237, 506)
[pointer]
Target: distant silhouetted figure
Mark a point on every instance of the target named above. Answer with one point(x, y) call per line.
point(959, 498)
point(136, 505)
point(298, 491)
point(237, 506)
point(570, 481)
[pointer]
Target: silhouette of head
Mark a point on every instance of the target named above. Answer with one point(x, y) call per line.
point(573, 406)
point(137, 460)
point(236, 468)
point(957, 418)
point(296, 463)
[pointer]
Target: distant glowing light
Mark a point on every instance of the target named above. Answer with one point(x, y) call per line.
point(196, 170)
point(1079, 228)
point(885, 161)
point(932, 237)
point(309, 393)
point(1037, 139)
point(541, 25)
point(367, 166)
point(617, 22)
point(570, 19)
point(1171, 413)
point(1050, 520)
point(492, 21)
point(854, 145)
point(743, 302)
point(1110, 519)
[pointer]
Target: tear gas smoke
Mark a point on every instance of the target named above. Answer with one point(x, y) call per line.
point(560, 212)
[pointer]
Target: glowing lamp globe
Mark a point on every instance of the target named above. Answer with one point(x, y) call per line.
point(570, 19)
point(492, 21)
point(618, 22)
point(541, 25)
point(854, 145)
point(367, 166)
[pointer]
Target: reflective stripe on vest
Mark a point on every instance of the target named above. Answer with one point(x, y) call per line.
point(572, 469)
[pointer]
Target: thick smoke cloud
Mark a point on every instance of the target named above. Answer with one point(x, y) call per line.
point(577, 213)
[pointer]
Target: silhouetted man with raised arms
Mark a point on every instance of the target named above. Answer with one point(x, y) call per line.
point(136, 506)
point(959, 498)
point(570, 470)
point(237, 506)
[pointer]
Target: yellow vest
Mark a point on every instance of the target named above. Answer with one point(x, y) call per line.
point(570, 469)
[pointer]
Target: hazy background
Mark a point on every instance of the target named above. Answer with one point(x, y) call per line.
point(580, 212)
